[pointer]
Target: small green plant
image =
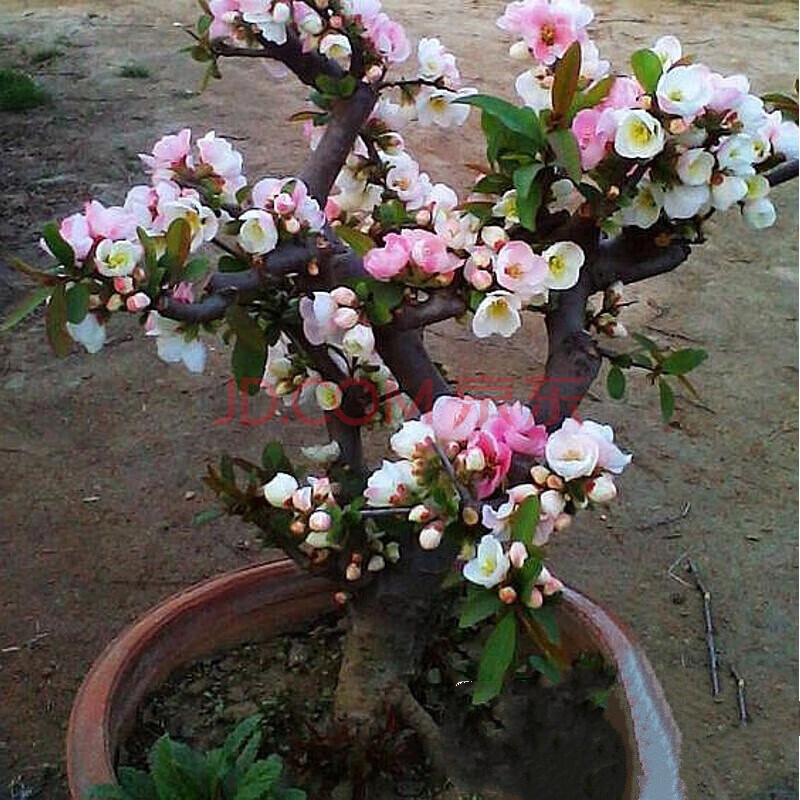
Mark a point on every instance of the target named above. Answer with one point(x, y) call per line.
point(230, 772)
point(134, 71)
point(45, 55)
point(19, 92)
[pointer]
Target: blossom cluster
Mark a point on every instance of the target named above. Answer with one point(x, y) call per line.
point(573, 466)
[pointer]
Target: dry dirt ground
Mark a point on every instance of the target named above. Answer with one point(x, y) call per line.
point(98, 454)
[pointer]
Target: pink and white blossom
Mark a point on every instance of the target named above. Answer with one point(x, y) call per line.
point(490, 565)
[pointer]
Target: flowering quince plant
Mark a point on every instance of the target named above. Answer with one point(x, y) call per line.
point(326, 281)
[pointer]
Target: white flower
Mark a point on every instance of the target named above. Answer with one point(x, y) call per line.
point(507, 207)
point(270, 20)
point(278, 492)
point(727, 190)
point(685, 90)
point(786, 141)
point(759, 213)
point(335, 45)
point(498, 313)
point(757, 187)
point(517, 555)
point(173, 346)
point(695, 167)
point(319, 324)
point(564, 262)
point(668, 49)
point(602, 490)
point(203, 222)
point(434, 61)
point(320, 521)
point(322, 454)
point(535, 92)
point(683, 202)
point(413, 435)
point(430, 537)
point(491, 564)
point(645, 209)
point(391, 485)
point(610, 457)
point(571, 454)
point(117, 259)
point(639, 135)
point(359, 342)
point(89, 333)
point(436, 107)
point(328, 395)
point(737, 154)
point(258, 234)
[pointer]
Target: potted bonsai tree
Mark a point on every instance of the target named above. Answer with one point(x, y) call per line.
point(323, 284)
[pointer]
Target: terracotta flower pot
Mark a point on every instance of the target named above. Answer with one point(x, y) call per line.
point(265, 600)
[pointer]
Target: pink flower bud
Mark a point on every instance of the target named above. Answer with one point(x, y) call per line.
point(284, 203)
point(423, 217)
point(123, 285)
point(340, 598)
point(540, 474)
point(353, 572)
point(507, 595)
point(345, 296)
point(563, 521)
point(374, 73)
point(320, 521)
point(292, 225)
point(430, 537)
point(536, 599)
point(137, 302)
point(114, 303)
point(517, 554)
point(420, 513)
point(474, 460)
point(481, 279)
point(301, 499)
point(346, 318)
point(336, 21)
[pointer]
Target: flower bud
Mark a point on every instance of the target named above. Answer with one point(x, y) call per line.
point(470, 516)
point(346, 318)
point(340, 598)
point(280, 489)
point(114, 303)
point(540, 474)
point(678, 126)
point(95, 301)
point(336, 21)
point(554, 482)
point(423, 217)
point(353, 572)
point(392, 552)
point(519, 51)
point(475, 461)
point(320, 521)
point(345, 296)
point(374, 73)
point(301, 500)
point(517, 554)
point(535, 600)
point(563, 521)
point(317, 540)
point(297, 528)
point(420, 513)
point(481, 279)
point(507, 595)
point(284, 203)
point(375, 564)
point(616, 330)
point(281, 13)
point(137, 302)
point(602, 490)
point(430, 536)
point(292, 225)
point(123, 284)
point(329, 396)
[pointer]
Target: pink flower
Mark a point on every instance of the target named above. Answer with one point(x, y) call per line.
point(332, 209)
point(170, 152)
point(75, 232)
point(515, 426)
point(183, 293)
point(137, 302)
point(625, 93)
point(110, 223)
point(429, 252)
point(265, 191)
point(454, 418)
point(520, 270)
point(384, 263)
point(547, 30)
point(592, 141)
point(497, 456)
point(728, 91)
point(223, 12)
point(389, 38)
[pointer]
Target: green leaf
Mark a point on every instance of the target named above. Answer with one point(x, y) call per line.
point(529, 193)
point(647, 68)
point(519, 120)
point(593, 95)
point(260, 779)
point(77, 303)
point(207, 515)
point(478, 605)
point(231, 264)
point(497, 657)
point(682, 361)
point(248, 364)
point(645, 342)
point(274, 460)
point(545, 618)
point(615, 383)
point(359, 242)
point(178, 240)
point(196, 270)
point(138, 785)
point(290, 794)
point(565, 83)
point(25, 306)
point(392, 214)
point(547, 667)
point(526, 518)
point(784, 103)
point(204, 23)
point(494, 183)
point(58, 246)
point(107, 791)
point(55, 322)
point(43, 277)
point(179, 773)
point(336, 87)
point(567, 153)
point(667, 397)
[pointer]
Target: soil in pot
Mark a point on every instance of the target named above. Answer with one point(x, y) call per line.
point(539, 740)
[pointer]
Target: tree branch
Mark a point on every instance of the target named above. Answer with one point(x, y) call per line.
point(783, 172)
point(443, 304)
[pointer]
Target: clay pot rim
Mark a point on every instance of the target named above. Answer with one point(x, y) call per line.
point(126, 670)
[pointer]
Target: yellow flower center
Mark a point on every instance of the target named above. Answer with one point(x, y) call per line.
point(640, 133)
point(556, 265)
point(438, 103)
point(548, 33)
point(488, 566)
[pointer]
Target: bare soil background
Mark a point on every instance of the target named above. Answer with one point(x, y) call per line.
point(97, 455)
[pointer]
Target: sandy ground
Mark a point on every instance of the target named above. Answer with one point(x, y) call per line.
point(97, 454)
